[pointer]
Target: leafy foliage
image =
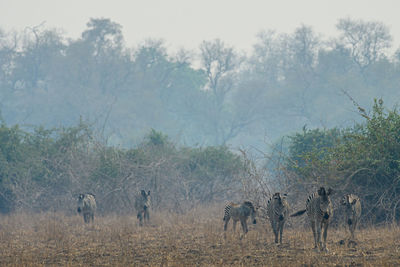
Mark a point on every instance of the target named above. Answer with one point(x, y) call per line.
point(363, 159)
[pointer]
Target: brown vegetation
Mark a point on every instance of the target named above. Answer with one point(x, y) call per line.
point(194, 239)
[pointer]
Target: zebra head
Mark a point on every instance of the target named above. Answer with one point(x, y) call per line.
point(279, 198)
point(253, 211)
point(80, 202)
point(348, 200)
point(279, 202)
point(325, 205)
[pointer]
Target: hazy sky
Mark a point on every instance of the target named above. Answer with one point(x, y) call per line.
point(186, 23)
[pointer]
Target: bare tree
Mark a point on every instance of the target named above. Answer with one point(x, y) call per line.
point(305, 45)
point(220, 63)
point(366, 40)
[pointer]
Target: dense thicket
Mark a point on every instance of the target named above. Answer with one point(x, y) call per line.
point(47, 169)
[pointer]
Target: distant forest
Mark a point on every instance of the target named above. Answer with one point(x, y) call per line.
point(216, 95)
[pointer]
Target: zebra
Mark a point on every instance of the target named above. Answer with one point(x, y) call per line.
point(352, 207)
point(87, 206)
point(142, 206)
point(239, 212)
point(319, 211)
point(277, 211)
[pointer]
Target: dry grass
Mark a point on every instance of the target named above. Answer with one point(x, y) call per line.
point(173, 240)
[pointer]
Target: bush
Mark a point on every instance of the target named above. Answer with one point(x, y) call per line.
point(47, 169)
point(364, 160)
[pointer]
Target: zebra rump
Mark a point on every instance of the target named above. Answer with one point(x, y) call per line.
point(142, 206)
point(239, 212)
point(87, 206)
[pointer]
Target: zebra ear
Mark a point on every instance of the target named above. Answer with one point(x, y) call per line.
point(143, 193)
point(330, 192)
point(354, 201)
point(321, 191)
point(148, 193)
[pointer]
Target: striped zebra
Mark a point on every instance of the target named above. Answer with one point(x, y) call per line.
point(142, 206)
point(319, 211)
point(277, 211)
point(87, 206)
point(352, 207)
point(239, 212)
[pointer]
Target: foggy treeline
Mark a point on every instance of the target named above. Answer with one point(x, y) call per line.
point(212, 96)
point(96, 115)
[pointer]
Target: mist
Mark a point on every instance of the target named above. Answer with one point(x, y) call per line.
point(113, 126)
point(213, 95)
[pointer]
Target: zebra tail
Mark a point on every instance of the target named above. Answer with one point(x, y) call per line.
point(301, 212)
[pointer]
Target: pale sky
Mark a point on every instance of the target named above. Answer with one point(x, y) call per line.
point(186, 23)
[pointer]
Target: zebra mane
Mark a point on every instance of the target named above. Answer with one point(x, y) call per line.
point(310, 197)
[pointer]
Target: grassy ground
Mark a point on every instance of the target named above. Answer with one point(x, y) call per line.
point(54, 239)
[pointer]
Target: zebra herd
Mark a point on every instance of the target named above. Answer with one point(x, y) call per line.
point(87, 206)
point(318, 208)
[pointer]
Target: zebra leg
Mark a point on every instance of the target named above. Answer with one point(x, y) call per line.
point(147, 216)
point(353, 229)
point(349, 223)
point(226, 223)
point(319, 230)
point(86, 217)
point(274, 228)
point(140, 217)
point(352, 241)
point(92, 216)
point(325, 235)
point(351, 232)
point(314, 234)
point(244, 226)
point(281, 231)
point(234, 225)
